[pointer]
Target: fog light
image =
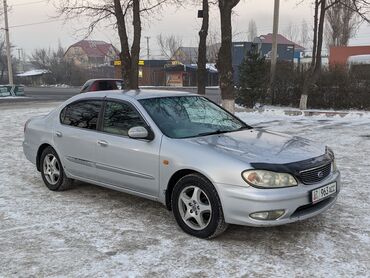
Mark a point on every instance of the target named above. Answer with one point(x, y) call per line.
point(267, 215)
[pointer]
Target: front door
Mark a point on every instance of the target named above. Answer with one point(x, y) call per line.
point(122, 161)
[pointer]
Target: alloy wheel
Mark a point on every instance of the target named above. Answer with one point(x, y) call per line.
point(194, 207)
point(51, 169)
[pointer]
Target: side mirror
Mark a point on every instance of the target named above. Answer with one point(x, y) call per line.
point(138, 132)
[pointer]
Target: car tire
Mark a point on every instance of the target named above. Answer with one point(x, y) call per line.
point(52, 172)
point(197, 207)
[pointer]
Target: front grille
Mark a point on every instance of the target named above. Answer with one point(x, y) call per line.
point(315, 175)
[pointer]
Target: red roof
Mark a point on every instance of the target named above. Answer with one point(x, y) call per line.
point(96, 48)
point(280, 40)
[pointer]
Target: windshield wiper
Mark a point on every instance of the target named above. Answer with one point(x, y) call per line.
point(218, 131)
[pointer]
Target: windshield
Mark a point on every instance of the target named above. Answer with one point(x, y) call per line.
point(190, 116)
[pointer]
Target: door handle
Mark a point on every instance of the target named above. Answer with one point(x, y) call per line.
point(59, 134)
point(103, 143)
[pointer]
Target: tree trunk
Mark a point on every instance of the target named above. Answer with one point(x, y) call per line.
point(135, 49)
point(125, 56)
point(224, 61)
point(320, 38)
point(202, 51)
point(315, 68)
point(315, 24)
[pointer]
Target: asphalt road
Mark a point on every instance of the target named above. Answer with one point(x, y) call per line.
point(46, 93)
point(42, 94)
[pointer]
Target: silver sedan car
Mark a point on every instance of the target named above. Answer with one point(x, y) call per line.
point(203, 163)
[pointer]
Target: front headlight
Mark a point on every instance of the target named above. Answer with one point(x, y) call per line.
point(268, 179)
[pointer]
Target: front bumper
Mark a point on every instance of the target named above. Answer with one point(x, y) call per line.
point(238, 202)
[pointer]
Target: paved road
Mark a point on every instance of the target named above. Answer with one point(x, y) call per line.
point(60, 94)
point(50, 93)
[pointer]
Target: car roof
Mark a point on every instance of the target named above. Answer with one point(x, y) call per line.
point(103, 79)
point(136, 94)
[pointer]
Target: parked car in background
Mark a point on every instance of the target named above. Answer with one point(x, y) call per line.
point(206, 165)
point(94, 85)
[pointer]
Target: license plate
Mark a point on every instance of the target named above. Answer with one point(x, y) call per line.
point(323, 192)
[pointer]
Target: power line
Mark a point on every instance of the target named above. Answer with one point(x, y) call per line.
point(36, 23)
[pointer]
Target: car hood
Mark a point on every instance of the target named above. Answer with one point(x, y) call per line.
point(261, 146)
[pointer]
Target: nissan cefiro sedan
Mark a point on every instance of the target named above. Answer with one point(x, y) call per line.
point(203, 163)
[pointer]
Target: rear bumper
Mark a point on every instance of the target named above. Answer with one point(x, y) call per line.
point(29, 152)
point(239, 202)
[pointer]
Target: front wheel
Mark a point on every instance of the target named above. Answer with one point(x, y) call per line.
point(197, 207)
point(52, 171)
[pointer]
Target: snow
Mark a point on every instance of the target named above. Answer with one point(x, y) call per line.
point(11, 97)
point(91, 231)
point(35, 72)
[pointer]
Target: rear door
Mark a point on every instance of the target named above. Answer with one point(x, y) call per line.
point(75, 137)
point(122, 161)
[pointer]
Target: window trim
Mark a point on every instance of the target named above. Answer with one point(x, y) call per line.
point(83, 100)
point(151, 135)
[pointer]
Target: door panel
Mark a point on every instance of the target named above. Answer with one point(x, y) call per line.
point(75, 137)
point(122, 161)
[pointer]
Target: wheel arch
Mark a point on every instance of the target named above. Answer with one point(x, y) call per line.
point(39, 152)
point(175, 178)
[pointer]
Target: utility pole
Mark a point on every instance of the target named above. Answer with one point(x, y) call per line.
point(147, 47)
point(20, 60)
point(274, 45)
point(8, 54)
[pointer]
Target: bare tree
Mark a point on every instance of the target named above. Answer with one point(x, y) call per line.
point(169, 45)
point(292, 32)
point(202, 50)
point(342, 23)
point(252, 30)
point(224, 61)
point(120, 11)
point(305, 36)
point(213, 46)
point(360, 7)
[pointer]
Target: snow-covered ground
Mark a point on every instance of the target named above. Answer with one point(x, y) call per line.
point(90, 231)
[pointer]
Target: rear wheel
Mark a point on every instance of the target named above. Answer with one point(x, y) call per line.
point(52, 171)
point(197, 207)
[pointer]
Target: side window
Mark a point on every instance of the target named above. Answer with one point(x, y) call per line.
point(83, 114)
point(120, 117)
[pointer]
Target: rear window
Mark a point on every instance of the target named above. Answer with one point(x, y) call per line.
point(83, 114)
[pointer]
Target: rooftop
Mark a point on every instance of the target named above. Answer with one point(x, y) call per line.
point(94, 48)
point(280, 40)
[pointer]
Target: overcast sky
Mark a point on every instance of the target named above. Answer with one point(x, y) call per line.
point(33, 24)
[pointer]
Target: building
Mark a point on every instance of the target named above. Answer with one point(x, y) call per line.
point(151, 72)
point(91, 53)
point(287, 50)
point(266, 41)
point(180, 75)
point(189, 55)
point(340, 55)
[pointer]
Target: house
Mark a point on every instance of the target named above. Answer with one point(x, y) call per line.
point(286, 50)
point(189, 55)
point(91, 53)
